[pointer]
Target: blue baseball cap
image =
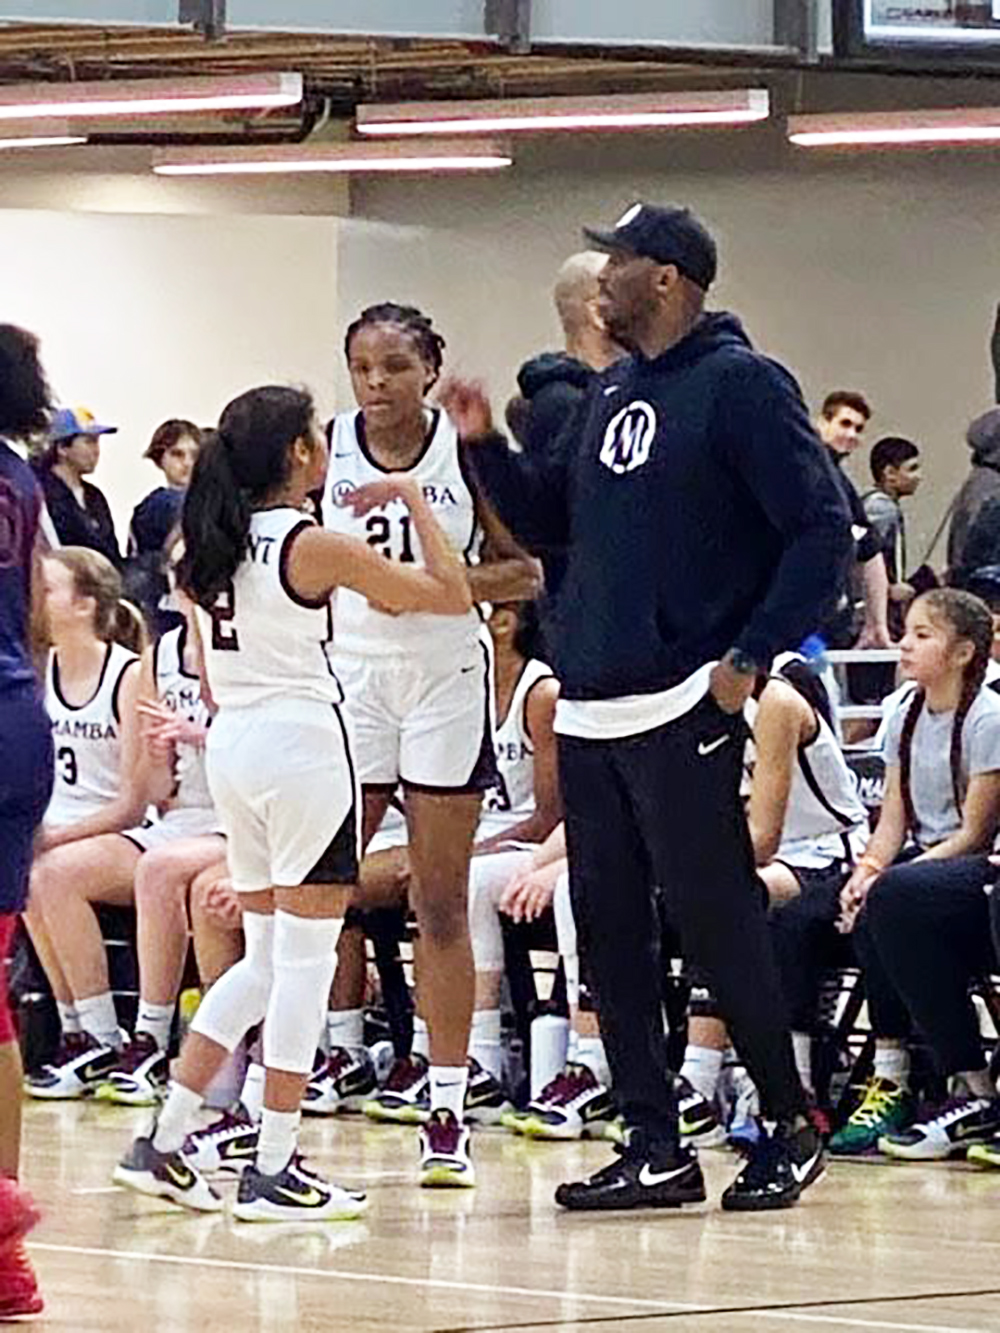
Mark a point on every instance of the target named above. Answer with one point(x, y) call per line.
point(666, 234)
point(68, 422)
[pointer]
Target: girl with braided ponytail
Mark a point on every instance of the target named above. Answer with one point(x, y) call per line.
point(417, 688)
point(921, 926)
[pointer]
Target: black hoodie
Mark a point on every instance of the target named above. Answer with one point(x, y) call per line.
point(553, 386)
point(699, 510)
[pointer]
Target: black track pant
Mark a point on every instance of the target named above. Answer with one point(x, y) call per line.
point(927, 933)
point(664, 808)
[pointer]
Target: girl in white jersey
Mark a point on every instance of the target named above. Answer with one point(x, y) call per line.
point(281, 772)
point(417, 687)
point(102, 788)
point(808, 826)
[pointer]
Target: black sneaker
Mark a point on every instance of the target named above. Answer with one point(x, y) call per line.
point(485, 1100)
point(344, 1081)
point(779, 1167)
point(642, 1177)
point(140, 1076)
point(698, 1117)
point(294, 1194)
point(165, 1175)
point(80, 1067)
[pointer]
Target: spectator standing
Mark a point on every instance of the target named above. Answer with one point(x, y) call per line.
point(974, 534)
point(173, 448)
point(78, 509)
point(705, 533)
point(896, 472)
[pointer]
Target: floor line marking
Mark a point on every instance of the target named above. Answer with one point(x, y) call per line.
point(863, 1323)
point(388, 1279)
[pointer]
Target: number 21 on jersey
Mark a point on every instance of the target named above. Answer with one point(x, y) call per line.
point(392, 538)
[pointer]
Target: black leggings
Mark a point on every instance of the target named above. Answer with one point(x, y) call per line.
point(807, 943)
point(663, 808)
point(923, 936)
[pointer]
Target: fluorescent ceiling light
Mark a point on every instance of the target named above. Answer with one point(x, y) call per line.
point(961, 125)
point(137, 97)
point(331, 157)
point(39, 134)
point(642, 111)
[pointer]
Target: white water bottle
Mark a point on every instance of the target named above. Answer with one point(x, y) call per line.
point(549, 1044)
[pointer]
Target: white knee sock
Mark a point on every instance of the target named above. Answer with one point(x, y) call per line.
point(448, 1085)
point(304, 959)
point(484, 1041)
point(279, 1133)
point(702, 1068)
point(156, 1021)
point(99, 1019)
point(239, 999)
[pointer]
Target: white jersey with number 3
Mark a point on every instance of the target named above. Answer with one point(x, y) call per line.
point(361, 629)
point(87, 741)
point(513, 799)
point(262, 642)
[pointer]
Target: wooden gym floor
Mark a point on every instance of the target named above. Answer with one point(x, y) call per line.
point(874, 1246)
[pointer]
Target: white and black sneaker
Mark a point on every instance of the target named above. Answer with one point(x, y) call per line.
point(947, 1131)
point(405, 1098)
point(698, 1118)
point(139, 1077)
point(344, 1082)
point(165, 1175)
point(81, 1065)
point(445, 1162)
point(574, 1105)
point(294, 1195)
point(778, 1168)
point(486, 1102)
point(228, 1145)
point(644, 1175)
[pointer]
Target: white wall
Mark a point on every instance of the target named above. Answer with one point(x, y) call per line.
point(147, 317)
point(880, 273)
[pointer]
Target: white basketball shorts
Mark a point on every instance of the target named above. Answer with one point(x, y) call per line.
point(426, 726)
point(283, 781)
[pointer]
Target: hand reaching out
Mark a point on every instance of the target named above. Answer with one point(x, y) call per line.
point(466, 403)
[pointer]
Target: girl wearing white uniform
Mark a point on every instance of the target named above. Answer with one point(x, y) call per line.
point(417, 689)
point(281, 772)
point(102, 788)
point(519, 812)
point(808, 826)
point(185, 841)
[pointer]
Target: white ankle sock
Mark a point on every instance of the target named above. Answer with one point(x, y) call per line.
point(893, 1063)
point(448, 1084)
point(589, 1051)
point(702, 1068)
point(421, 1039)
point(177, 1119)
point(802, 1049)
point(252, 1094)
point(156, 1020)
point(279, 1133)
point(978, 1082)
point(69, 1019)
point(99, 1019)
point(346, 1028)
point(484, 1041)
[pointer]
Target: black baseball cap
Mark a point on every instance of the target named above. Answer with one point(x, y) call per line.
point(667, 234)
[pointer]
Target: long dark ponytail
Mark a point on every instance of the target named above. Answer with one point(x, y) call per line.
point(239, 464)
point(968, 618)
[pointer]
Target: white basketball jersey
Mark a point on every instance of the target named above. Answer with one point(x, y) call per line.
point(87, 741)
point(181, 692)
point(360, 628)
point(262, 642)
point(513, 799)
point(825, 820)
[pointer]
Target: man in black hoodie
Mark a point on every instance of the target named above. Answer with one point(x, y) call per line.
point(706, 532)
point(554, 384)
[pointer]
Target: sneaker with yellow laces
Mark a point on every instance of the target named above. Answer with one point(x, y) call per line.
point(885, 1108)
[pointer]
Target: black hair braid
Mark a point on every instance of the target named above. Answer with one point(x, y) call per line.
point(429, 343)
point(969, 619)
